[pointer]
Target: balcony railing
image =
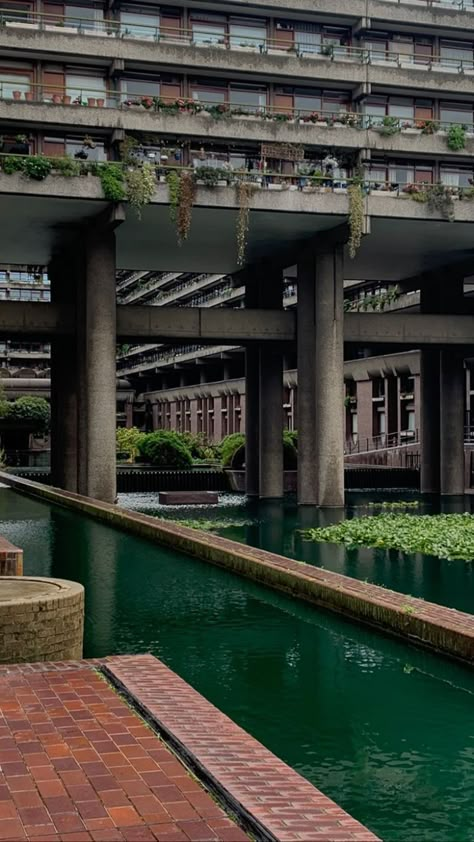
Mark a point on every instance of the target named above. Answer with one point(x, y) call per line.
point(199, 38)
point(385, 441)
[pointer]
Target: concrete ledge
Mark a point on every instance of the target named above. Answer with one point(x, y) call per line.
point(436, 627)
point(271, 800)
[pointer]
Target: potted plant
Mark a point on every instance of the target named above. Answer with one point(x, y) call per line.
point(21, 145)
point(66, 99)
point(16, 94)
point(91, 101)
point(88, 143)
point(56, 98)
point(100, 103)
point(29, 96)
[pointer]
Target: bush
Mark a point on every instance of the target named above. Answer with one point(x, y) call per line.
point(199, 446)
point(34, 410)
point(229, 445)
point(128, 441)
point(233, 451)
point(165, 449)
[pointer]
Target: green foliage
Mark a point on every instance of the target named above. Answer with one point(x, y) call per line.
point(214, 525)
point(356, 216)
point(141, 186)
point(440, 198)
point(37, 167)
point(12, 163)
point(233, 451)
point(228, 447)
point(395, 505)
point(112, 181)
point(165, 449)
point(36, 411)
point(456, 138)
point(389, 126)
point(199, 445)
point(444, 536)
point(67, 167)
point(211, 175)
point(128, 440)
point(172, 180)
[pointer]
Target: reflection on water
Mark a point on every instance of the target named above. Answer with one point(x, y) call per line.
point(385, 729)
point(277, 526)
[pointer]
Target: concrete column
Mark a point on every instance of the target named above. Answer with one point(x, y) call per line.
point(271, 423)
point(321, 379)
point(430, 420)
point(252, 421)
point(452, 422)
point(64, 457)
point(96, 325)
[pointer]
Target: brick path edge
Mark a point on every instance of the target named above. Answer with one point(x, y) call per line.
point(445, 630)
point(272, 801)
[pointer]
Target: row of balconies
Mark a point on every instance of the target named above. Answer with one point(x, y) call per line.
point(355, 65)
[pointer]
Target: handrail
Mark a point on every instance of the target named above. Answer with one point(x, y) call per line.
point(384, 441)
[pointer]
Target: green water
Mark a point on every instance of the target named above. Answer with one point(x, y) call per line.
point(385, 729)
point(276, 527)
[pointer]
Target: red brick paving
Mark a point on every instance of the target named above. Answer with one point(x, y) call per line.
point(283, 802)
point(60, 724)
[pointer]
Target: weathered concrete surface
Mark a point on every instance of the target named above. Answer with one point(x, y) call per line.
point(443, 629)
point(40, 619)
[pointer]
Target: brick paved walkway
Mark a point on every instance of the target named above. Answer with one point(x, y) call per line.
point(77, 763)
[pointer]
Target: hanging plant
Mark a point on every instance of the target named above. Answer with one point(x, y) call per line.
point(244, 192)
point(172, 180)
point(187, 192)
point(356, 216)
point(141, 185)
point(456, 138)
point(440, 198)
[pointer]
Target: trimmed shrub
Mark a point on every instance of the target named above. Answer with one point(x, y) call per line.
point(165, 449)
point(229, 445)
point(199, 445)
point(128, 441)
point(35, 411)
point(233, 451)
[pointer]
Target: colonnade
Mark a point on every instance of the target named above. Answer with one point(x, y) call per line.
point(84, 379)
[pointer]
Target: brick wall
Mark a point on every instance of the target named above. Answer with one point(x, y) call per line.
point(11, 559)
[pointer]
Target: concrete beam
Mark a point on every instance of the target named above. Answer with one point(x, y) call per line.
point(234, 327)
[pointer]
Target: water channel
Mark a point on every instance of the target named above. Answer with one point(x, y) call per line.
point(277, 526)
point(385, 729)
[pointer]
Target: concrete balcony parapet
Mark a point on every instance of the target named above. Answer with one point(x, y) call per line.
point(351, 66)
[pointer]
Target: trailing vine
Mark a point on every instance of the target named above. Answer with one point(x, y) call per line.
point(112, 181)
point(187, 192)
point(440, 198)
point(141, 184)
point(356, 216)
point(172, 180)
point(244, 192)
point(456, 138)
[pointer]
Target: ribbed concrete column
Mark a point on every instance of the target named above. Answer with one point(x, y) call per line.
point(64, 456)
point(430, 420)
point(271, 423)
point(321, 379)
point(97, 368)
point(452, 422)
point(252, 422)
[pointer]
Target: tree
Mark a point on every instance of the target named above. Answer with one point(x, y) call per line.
point(128, 441)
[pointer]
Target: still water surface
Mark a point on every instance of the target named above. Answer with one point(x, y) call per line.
point(276, 526)
point(383, 728)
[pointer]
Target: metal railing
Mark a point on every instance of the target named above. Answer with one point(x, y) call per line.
point(385, 441)
point(199, 36)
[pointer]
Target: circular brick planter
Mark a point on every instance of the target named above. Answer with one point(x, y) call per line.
point(40, 619)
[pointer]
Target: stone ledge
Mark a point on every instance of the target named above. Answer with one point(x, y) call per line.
point(435, 627)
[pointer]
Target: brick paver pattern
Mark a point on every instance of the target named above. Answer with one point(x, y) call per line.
point(77, 763)
point(282, 801)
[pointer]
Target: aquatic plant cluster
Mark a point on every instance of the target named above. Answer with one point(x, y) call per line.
point(445, 536)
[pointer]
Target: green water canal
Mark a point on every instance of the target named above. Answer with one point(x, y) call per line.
point(385, 729)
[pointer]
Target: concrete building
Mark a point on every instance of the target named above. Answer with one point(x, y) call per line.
point(279, 110)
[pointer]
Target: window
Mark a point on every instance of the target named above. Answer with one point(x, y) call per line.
point(382, 427)
point(456, 54)
point(85, 87)
point(254, 98)
point(208, 34)
point(135, 25)
point(74, 146)
point(210, 95)
point(401, 107)
point(16, 11)
point(456, 177)
point(10, 82)
point(307, 38)
point(308, 102)
point(139, 87)
point(84, 17)
point(411, 420)
point(377, 49)
point(452, 112)
point(401, 174)
point(249, 34)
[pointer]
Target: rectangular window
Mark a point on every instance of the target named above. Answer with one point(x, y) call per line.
point(73, 147)
point(308, 102)
point(377, 49)
point(401, 174)
point(247, 35)
point(83, 17)
point(208, 34)
point(85, 87)
point(248, 98)
point(132, 88)
point(134, 25)
point(453, 177)
point(10, 82)
point(456, 54)
point(401, 107)
point(452, 112)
